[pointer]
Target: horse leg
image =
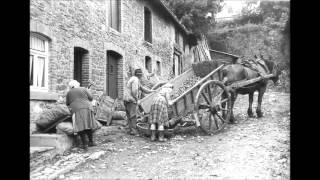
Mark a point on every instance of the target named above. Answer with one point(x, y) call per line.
point(250, 113)
point(260, 96)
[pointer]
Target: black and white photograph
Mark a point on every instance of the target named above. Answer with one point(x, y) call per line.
point(159, 89)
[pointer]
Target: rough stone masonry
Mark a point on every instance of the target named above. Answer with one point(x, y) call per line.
point(71, 23)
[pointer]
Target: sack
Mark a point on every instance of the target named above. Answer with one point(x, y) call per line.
point(65, 127)
point(50, 116)
point(99, 126)
point(104, 113)
point(119, 105)
point(119, 115)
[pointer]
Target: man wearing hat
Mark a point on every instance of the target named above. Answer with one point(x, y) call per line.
point(132, 99)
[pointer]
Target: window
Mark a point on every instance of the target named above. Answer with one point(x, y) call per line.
point(147, 25)
point(177, 64)
point(114, 14)
point(176, 38)
point(39, 53)
point(148, 64)
point(158, 71)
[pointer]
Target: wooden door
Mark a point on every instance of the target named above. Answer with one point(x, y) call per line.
point(112, 72)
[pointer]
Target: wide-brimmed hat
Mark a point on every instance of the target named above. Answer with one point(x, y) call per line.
point(138, 72)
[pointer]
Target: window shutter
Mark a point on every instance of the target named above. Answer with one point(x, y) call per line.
point(110, 13)
point(115, 14)
point(147, 25)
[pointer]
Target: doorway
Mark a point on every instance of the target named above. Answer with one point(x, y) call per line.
point(113, 60)
point(81, 66)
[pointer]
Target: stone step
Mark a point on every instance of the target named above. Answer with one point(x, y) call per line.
point(60, 142)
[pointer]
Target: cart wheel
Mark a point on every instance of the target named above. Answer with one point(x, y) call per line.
point(212, 106)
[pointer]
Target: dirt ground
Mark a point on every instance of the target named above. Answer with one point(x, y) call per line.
point(251, 149)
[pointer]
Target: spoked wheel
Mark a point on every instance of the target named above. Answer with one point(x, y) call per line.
point(212, 106)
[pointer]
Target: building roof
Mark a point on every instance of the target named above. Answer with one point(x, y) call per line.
point(173, 17)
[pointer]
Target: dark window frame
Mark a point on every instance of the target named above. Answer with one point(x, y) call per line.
point(114, 23)
point(158, 64)
point(148, 64)
point(147, 25)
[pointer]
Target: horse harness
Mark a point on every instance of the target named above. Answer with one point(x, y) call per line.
point(252, 64)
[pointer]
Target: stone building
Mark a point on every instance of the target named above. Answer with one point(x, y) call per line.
point(102, 41)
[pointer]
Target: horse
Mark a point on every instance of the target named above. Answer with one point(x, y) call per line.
point(237, 72)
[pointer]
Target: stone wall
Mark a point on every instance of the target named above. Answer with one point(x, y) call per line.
point(72, 23)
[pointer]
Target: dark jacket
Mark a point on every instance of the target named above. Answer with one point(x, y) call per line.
point(79, 98)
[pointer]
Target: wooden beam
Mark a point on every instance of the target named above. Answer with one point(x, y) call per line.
point(224, 53)
point(247, 82)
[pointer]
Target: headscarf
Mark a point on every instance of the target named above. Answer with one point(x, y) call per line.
point(74, 84)
point(167, 88)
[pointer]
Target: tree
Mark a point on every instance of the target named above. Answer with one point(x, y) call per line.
point(198, 16)
point(272, 11)
point(250, 14)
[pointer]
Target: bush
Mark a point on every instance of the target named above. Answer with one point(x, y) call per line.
point(283, 83)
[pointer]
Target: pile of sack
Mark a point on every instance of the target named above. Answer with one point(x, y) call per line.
point(52, 115)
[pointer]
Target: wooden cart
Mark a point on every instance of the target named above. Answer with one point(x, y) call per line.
point(203, 100)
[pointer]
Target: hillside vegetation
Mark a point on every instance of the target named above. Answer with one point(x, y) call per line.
point(263, 31)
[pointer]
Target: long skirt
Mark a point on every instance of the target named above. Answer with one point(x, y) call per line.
point(159, 111)
point(84, 119)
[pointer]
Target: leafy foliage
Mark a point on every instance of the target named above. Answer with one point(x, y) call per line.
point(267, 11)
point(261, 31)
point(196, 15)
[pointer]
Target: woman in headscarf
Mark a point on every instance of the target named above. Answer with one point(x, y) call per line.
point(159, 112)
point(78, 100)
